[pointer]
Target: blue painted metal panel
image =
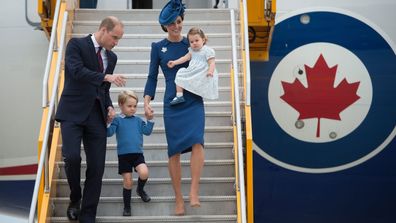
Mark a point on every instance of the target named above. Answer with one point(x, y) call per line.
point(350, 179)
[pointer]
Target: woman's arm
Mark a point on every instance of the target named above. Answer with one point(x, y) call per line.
point(152, 78)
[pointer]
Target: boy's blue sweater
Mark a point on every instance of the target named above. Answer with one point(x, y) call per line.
point(129, 133)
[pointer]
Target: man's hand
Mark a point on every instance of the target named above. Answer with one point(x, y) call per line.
point(116, 79)
point(110, 114)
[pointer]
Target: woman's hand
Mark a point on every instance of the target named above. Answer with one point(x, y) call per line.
point(148, 111)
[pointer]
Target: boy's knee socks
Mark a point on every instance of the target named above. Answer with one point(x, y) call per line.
point(126, 193)
point(141, 184)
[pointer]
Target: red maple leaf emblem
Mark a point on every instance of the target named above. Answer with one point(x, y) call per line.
point(320, 99)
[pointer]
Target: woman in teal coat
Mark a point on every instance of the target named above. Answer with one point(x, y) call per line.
point(185, 122)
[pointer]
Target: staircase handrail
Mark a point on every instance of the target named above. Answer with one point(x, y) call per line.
point(51, 49)
point(247, 53)
point(238, 123)
point(267, 9)
point(54, 97)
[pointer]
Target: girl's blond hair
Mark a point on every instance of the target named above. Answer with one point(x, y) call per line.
point(195, 31)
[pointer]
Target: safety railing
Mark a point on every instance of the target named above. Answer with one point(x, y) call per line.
point(246, 55)
point(43, 159)
point(238, 149)
point(269, 10)
point(268, 13)
point(51, 48)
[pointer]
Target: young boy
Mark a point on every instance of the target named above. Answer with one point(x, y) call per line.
point(129, 131)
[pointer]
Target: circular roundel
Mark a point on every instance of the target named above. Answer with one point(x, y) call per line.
point(325, 100)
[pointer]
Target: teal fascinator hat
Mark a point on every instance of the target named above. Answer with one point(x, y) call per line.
point(171, 11)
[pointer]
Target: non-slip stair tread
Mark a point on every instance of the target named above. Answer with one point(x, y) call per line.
point(207, 113)
point(156, 35)
point(164, 179)
point(164, 145)
point(153, 22)
point(164, 218)
point(164, 162)
point(159, 89)
point(157, 198)
point(206, 103)
point(208, 129)
point(160, 76)
point(148, 48)
point(120, 62)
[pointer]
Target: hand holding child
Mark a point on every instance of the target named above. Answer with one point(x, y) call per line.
point(149, 116)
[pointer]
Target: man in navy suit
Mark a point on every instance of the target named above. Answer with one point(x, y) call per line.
point(84, 109)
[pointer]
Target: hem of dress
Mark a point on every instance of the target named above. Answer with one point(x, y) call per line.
point(186, 150)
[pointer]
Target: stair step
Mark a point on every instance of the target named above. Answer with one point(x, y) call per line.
point(145, 40)
point(144, 15)
point(209, 186)
point(156, 219)
point(143, 52)
point(222, 26)
point(159, 151)
point(159, 169)
point(211, 119)
point(212, 134)
point(158, 206)
point(139, 79)
point(142, 66)
point(210, 105)
point(224, 92)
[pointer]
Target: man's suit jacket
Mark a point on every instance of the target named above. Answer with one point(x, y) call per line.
point(83, 82)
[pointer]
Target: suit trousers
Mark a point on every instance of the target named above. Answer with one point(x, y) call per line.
point(92, 132)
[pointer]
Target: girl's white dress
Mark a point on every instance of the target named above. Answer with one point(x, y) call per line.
point(194, 78)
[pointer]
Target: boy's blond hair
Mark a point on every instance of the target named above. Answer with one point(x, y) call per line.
point(125, 94)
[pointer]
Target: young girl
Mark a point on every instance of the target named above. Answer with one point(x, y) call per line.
point(129, 131)
point(200, 77)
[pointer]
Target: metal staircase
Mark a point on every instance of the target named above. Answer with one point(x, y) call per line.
point(217, 187)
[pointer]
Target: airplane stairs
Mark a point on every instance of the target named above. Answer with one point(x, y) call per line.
point(217, 187)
